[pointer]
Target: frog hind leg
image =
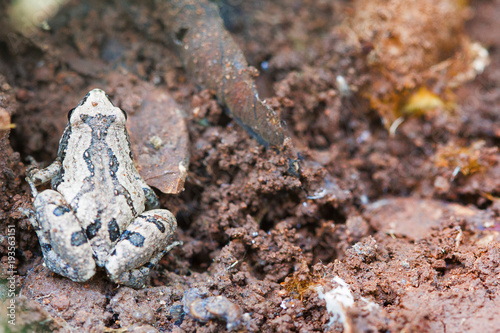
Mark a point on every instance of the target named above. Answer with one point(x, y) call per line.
point(135, 278)
point(64, 244)
point(140, 247)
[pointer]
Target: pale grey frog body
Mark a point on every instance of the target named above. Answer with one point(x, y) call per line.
point(95, 213)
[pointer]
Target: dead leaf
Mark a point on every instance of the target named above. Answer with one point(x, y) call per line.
point(158, 133)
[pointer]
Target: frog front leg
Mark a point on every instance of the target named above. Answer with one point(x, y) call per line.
point(140, 246)
point(38, 177)
point(64, 244)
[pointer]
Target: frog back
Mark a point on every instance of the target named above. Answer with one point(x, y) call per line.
point(99, 180)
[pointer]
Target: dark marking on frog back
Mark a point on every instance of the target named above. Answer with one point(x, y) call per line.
point(93, 228)
point(113, 230)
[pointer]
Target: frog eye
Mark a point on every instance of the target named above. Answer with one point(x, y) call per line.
point(124, 113)
point(70, 113)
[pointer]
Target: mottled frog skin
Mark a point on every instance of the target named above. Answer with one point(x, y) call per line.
point(100, 212)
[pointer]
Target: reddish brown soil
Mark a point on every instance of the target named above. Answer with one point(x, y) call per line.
point(417, 245)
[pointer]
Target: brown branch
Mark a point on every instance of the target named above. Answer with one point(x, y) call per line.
point(212, 58)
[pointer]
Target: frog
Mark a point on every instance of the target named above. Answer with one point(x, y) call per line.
point(100, 213)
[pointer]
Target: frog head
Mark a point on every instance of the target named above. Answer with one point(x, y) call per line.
point(96, 105)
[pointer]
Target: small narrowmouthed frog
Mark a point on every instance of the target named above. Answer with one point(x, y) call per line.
point(100, 212)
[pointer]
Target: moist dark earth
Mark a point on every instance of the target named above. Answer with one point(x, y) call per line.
point(373, 217)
